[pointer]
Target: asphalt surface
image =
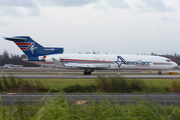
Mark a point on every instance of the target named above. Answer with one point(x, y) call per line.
point(38, 69)
point(38, 72)
point(31, 98)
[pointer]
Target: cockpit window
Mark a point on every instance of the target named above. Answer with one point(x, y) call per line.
point(168, 60)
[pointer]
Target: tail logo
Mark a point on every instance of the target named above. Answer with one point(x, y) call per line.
point(121, 60)
point(32, 48)
point(26, 46)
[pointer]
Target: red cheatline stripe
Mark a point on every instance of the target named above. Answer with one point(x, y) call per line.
point(23, 43)
point(95, 63)
point(143, 65)
point(85, 60)
point(42, 62)
point(23, 48)
point(157, 63)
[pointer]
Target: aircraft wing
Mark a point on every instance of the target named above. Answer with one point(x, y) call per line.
point(57, 62)
point(81, 65)
point(86, 65)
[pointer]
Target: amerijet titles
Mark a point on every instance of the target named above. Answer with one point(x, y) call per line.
point(121, 60)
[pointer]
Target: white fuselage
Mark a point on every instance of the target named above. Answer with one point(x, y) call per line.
point(110, 61)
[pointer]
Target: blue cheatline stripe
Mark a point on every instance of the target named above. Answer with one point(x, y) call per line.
point(24, 46)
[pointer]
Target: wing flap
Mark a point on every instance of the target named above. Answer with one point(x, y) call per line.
point(80, 65)
point(87, 65)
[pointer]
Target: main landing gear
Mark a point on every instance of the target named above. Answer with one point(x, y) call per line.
point(88, 72)
point(159, 73)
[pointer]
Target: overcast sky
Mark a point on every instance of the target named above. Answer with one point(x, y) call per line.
point(112, 26)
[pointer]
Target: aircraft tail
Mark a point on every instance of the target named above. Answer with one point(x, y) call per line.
point(32, 49)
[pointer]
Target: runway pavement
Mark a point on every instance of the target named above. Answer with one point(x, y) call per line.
point(38, 72)
point(41, 69)
point(30, 98)
point(95, 76)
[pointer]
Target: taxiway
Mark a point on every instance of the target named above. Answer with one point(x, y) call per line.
point(29, 98)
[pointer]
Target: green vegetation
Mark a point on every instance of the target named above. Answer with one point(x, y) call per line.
point(175, 86)
point(61, 83)
point(118, 84)
point(12, 84)
point(80, 88)
point(59, 108)
point(123, 85)
point(99, 85)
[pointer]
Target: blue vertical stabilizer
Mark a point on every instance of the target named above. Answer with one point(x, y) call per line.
point(32, 49)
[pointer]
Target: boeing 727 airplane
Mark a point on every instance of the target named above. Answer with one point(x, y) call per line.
point(51, 56)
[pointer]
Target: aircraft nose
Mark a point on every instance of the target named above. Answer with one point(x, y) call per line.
point(175, 64)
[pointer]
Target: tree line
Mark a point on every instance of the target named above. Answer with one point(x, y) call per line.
point(7, 58)
point(175, 58)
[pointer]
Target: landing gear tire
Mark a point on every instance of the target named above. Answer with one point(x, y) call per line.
point(159, 73)
point(87, 73)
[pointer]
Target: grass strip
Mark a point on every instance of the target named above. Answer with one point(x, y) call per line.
point(60, 108)
point(101, 84)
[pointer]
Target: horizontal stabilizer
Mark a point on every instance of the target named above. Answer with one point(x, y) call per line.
point(15, 39)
